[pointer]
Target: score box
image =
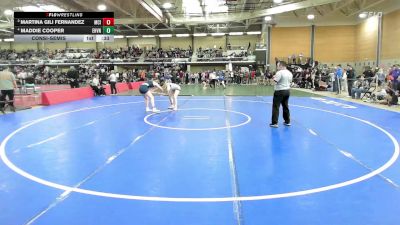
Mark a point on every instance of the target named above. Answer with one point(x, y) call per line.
point(108, 30)
point(104, 38)
point(108, 21)
point(89, 38)
point(64, 38)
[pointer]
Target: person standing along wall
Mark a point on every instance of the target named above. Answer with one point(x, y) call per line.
point(113, 82)
point(338, 78)
point(350, 78)
point(344, 81)
point(7, 85)
point(213, 78)
point(381, 77)
point(283, 79)
point(396, 76)
point(73, 77)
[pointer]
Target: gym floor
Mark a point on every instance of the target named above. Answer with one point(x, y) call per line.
point(215, 161)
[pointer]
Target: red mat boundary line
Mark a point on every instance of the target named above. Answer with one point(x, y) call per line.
point(62, 96)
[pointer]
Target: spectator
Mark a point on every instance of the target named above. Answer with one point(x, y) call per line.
point(213, 78)
point(338, 78)
point(391, 97)
point(113, 81)
point(73, 77)
point(396, 76)
point(360, 86)
point(221, 78)
point(97, 87)
point(159, 53)
point(7, 86)
point(381, 77)
point(368, 74)
point(350, 78)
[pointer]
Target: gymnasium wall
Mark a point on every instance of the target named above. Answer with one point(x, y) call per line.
point(335, 43)
point(354, 44)
point(5, 45)
point(210, 42)
point(286, 41)
point(91, 45)
point(22, 46)
point(143, 42)
point(118, 43)
point(391, 38)
point(176, 42)
point(367, 40)
point(52, 46)
point(243, 41)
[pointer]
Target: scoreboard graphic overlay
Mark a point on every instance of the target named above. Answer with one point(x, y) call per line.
point(63, 26)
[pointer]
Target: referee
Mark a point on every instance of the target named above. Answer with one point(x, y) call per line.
point(283, 79)
point(7, 86)
point(73, 76)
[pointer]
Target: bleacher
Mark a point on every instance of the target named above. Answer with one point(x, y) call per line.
point(130, 55)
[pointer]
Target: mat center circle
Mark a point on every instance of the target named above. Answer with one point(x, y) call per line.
point(197, 119)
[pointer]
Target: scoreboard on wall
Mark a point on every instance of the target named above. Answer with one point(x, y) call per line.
point(63, 26)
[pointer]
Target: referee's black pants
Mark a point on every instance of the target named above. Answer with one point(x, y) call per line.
point(281, 98)
point(349, 86)
point(212, 83)
point(113, 87)
point(4, 94)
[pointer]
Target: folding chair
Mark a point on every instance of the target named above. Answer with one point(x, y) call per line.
point(370, 90)
point(30, 87)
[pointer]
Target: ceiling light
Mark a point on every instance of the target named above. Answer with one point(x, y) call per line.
point(101, 7)
point(182, 35)
point(311, 17)
point(30, 8)
point(148, 36)
point(118, 36)
point(253, 32)
point(215, 6)
point(165, 35)
point(8, 12)
point(363, 15)
point(192, 7)
point(8, 39)
point(167, 5)
point(235, 33)
point(51, 8)
point(39, 8)
point(217, 34)
point(268, 18)
point(200, 35)
point(132, 36)
point(278, 1)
